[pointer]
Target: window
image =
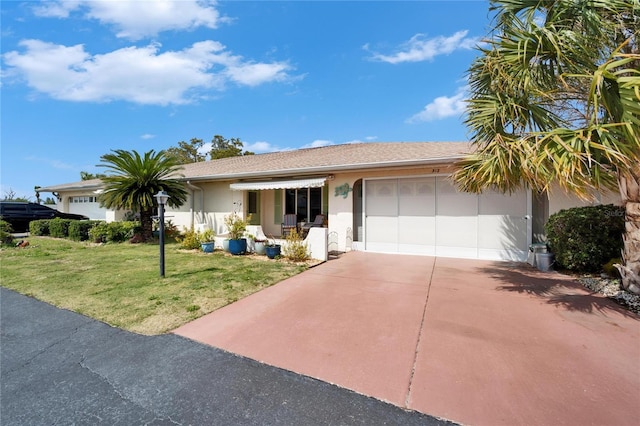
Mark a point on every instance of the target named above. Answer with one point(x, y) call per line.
point(306, 203)
point(83, 199)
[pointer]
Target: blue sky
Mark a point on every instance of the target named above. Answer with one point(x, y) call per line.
point(80, 78)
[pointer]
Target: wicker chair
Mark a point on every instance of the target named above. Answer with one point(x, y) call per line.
point(289, 222)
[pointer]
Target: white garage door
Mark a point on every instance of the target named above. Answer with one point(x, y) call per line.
point(427, 215)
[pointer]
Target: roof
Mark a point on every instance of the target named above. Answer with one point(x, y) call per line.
point(309, 161)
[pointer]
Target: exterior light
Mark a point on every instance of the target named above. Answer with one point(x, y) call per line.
point(162, 198)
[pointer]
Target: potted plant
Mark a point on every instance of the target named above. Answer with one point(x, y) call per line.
point(207, 240)
point(237, 227)
point(272, 249)
point(260, 245)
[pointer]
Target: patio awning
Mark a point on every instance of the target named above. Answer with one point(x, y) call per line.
point(279, 184)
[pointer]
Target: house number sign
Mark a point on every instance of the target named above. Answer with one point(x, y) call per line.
point(342, 190)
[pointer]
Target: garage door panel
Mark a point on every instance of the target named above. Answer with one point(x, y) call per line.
point(457, 231)
point(501, 232)
point(417, 230)
point(416, 197)
point(427, 215)
point(497, 203)
point(451, 202)
point(382, 229)
point(382, 198)
point(502, 227)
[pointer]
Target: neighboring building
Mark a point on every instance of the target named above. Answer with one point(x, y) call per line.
point(385, 197)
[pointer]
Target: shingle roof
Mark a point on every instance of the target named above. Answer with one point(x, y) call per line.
point(328, 159)
point(307, 161)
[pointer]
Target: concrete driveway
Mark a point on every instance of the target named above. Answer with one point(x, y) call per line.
point(62, 368)
point(475, 342)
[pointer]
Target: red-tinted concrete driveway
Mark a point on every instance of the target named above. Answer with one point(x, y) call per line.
point(476, 342)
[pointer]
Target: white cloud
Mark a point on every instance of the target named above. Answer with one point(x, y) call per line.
point(261, 146)
point(441, 107)
point(142, 75)
point(318, 143)
point(53, 163)
point(135, 19)
point(419, 49)
point(253, 74)
point(147, 136)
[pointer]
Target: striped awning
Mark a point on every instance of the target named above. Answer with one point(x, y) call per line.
point(278, 184)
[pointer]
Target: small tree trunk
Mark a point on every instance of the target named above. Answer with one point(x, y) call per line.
point(630, 269)
point(146, 222)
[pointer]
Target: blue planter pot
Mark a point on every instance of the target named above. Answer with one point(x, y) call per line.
point(238, 246)
point(207, 247)
point(272, 251)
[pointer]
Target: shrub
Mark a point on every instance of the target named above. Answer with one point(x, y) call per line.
point(189, 239)
point(236, 225)
point(171, 230)
point(112, 232)
point(5, 233)
point(59, 228)
point(39, 227)
point(79, 229)
point(585, 238)
point(295, 249)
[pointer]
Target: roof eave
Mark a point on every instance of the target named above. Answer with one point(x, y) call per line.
point(327, 169)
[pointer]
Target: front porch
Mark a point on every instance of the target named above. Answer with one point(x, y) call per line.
point(316, 240)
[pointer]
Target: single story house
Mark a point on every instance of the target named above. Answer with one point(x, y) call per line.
point(394, 197)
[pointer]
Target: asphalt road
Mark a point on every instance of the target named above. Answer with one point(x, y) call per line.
point(61, 368)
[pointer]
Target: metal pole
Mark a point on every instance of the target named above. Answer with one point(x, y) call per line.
point(161, 214)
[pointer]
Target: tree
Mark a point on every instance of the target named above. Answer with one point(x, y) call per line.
point(89, 176)
point(223, 148)
point(188, 152)
point(10, 195)
point(134, 180)
point(555, 97)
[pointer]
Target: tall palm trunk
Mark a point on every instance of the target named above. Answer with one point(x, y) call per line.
point(630, 192)
point(146, 222)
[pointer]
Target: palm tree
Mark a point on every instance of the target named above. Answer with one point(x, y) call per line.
point(133, 180)
point(555, 97)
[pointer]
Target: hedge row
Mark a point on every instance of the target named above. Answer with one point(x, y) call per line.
point(82, 230)
point(5, 233)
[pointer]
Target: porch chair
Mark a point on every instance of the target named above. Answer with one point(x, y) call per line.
point(317, 222)
point(289, 222)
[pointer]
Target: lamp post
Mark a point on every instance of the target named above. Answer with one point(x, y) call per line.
point(162, 198)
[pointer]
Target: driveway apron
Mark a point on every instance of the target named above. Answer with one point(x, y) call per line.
point(475, 342)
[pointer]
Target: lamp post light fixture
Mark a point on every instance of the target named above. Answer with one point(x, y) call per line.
point(162, 198)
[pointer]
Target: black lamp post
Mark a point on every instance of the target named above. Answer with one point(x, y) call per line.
point(162, 198)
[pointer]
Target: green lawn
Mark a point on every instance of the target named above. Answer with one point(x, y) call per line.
point(120, 283)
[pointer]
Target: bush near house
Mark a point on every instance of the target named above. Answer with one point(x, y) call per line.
point(79, 230)
point(585, 238)
point(112, 232)
point(39, 228)
point(59, 228)
point(295, 249)
point(5, 233)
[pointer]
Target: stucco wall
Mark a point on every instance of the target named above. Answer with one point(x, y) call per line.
point(559, 200)
point(207, 206)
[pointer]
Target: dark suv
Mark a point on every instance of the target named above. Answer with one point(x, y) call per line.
point(19, 214)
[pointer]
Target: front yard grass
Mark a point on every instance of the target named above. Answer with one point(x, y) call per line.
point(120, 283)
